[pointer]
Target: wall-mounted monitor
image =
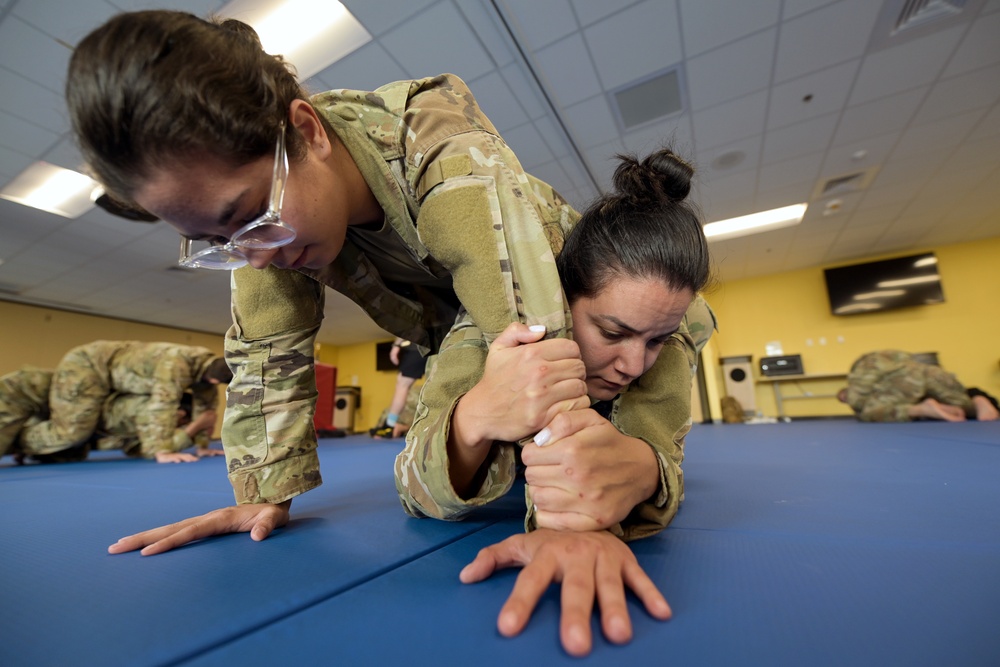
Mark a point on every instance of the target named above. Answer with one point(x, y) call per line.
point(871, 287)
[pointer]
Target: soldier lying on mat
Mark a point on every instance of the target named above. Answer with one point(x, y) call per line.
point(894, 386)
point(405, 199)
point(124, 419)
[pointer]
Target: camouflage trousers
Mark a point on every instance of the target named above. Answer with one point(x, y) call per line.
point(76, 399)
point(24, 399)
point(882, 389)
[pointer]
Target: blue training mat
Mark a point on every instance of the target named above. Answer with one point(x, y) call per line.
point(808, 543)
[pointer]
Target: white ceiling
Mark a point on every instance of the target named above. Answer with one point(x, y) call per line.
point(919, 115)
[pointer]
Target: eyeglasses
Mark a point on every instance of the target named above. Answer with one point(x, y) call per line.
point(266, 232)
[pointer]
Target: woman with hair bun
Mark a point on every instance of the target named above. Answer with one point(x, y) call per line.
point(631, 269)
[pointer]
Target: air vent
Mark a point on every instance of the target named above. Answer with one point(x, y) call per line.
point(916, 13)
point(654, 97)
point(902, 20)
point(843, 184)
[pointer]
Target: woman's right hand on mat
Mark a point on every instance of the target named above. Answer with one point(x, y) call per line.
point(259, 520)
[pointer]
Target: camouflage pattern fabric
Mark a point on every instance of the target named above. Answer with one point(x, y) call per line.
point(89, 374)
point(461, 218)
point(127, 422)
point(883, 385)
point(24, 395)
point(24, 401)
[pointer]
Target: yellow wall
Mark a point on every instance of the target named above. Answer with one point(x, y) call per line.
point(356, 367)
point(30, 335)
point(792, 308)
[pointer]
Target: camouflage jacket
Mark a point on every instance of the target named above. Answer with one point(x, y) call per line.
point(882, 386)
point(161, 373)
point(464, 224)
point(126, 421)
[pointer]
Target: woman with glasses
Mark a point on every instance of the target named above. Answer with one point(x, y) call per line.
point(405, 199)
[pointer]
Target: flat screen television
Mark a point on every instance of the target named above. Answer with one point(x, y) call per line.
point(871, 287)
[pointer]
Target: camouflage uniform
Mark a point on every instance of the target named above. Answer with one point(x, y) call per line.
point(883, 385)
point(464, 225)
point(24, 398)
point(89, 374)
point(24, 401)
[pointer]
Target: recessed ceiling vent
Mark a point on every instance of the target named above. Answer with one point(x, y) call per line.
point(653, 97)
point(902, 20)
point(916, 13)
point(843, 184)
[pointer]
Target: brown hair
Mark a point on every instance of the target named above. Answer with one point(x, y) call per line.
point(151, 87)
point(646, 228)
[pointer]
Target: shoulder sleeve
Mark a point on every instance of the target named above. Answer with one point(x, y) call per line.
point(421, 469)
point(268, 431)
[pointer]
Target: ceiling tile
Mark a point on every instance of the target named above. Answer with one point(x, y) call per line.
point(31, 102)
point(33, 54)
point(366, 68)
point(889, 114)
point(936, 139)
point(497, 100)
point(567, 72)
point(732, 71)
point(974, 90)
point(491, 31)
point(829, 36)
point(591, 122)
point(708, 24)
point(793, 8)
point(731, 121)
point(589, 11)
point(461, 53)
point(811, 95)
point(979, 47)
point(52, 17)
point(914, 63)
point(651, 30)
point(12, 163)
point(539, 24)
point(24, 137)
point(809, 137)
point(379, 17)
point(528, 145)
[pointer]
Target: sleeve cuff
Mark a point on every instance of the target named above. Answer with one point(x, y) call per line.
point(277, 482)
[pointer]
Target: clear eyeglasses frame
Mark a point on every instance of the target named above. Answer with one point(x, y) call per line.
point(266, 232)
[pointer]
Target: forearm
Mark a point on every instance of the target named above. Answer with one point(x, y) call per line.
point(423, 469)
point(268, 431)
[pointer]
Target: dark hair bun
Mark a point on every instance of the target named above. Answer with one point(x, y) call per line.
point(662, 175)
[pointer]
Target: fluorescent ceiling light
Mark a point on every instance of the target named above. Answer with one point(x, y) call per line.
point(755, 223)
point(310, 34)
point(903, 282)
point(925, 261)
point(53, 189)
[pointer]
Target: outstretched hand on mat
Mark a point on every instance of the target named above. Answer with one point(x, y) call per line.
point(591, 565)
point(259, 520)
